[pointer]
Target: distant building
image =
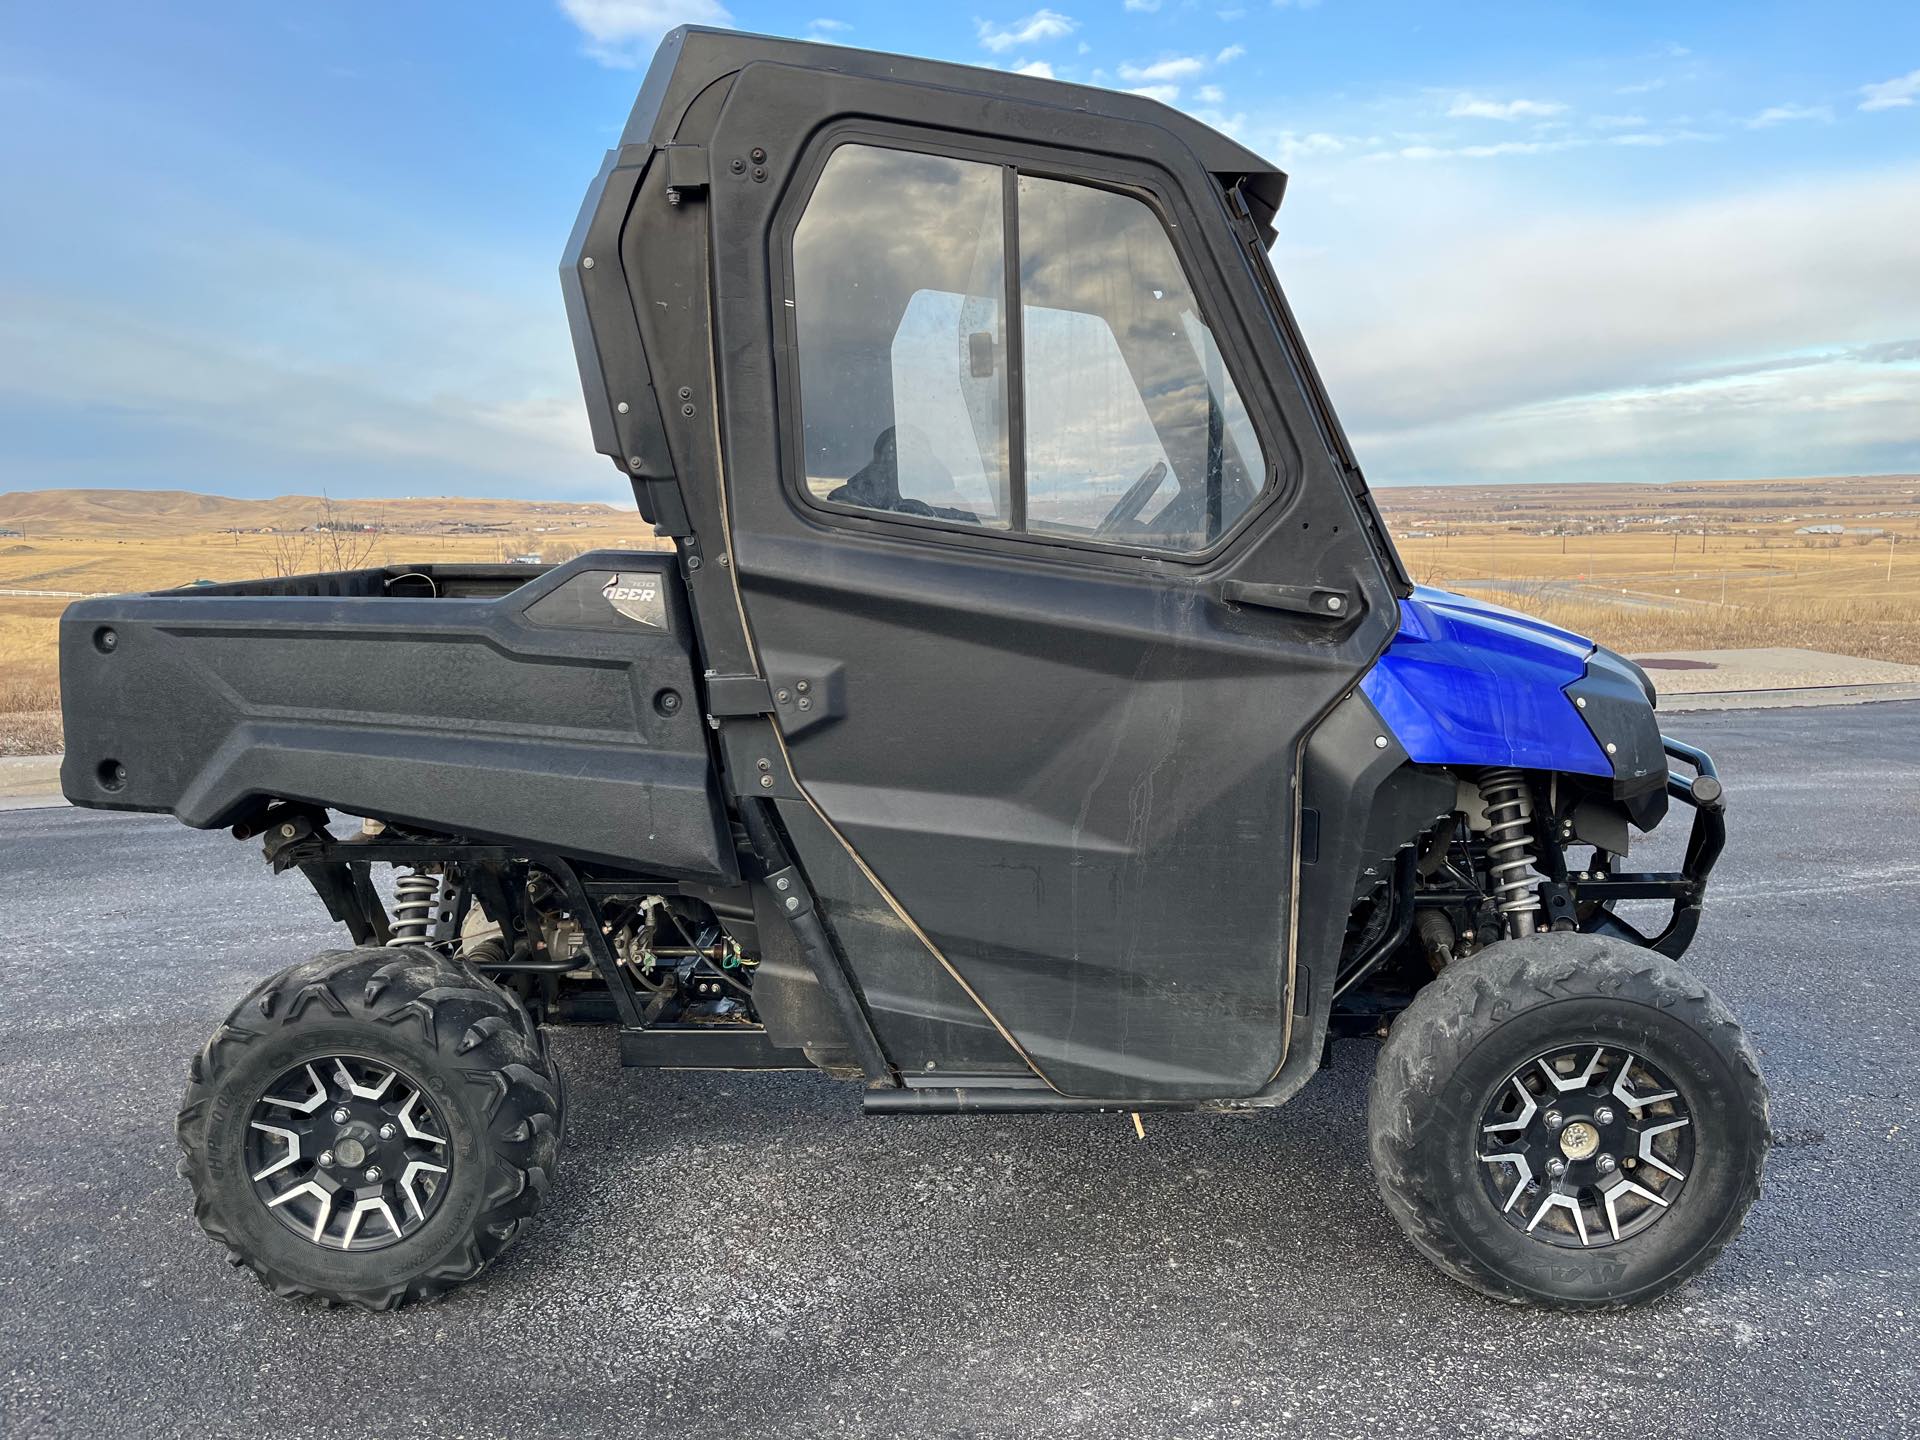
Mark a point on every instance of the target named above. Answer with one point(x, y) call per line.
point(11, 534)
point(524, 560)
point(1821, 530)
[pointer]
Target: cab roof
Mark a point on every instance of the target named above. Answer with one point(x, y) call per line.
point(692, 57)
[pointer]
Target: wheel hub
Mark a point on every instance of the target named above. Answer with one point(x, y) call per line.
point(347, 1152)
point(350, 1150)
point(1579, 1141)
point(1585, 1146)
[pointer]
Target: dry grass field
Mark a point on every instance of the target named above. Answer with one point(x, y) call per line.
point(1714, 565)
point(1717, 565)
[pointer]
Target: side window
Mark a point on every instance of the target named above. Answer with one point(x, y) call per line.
point(1133, 431)
point(898, 279)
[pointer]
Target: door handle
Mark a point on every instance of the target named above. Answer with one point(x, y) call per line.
point(1319, 601)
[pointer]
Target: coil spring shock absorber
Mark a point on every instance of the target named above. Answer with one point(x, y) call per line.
point(1510, 856)
point(414, 894)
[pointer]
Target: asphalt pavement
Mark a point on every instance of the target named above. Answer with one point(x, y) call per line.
point(736, 1255)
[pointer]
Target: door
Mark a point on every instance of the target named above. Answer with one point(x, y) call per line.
point(1021, 511)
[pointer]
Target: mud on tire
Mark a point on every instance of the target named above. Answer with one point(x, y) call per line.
point(480, 1063)
point(1477, 1028)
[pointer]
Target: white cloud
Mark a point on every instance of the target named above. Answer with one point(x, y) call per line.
point(1230, 54)
point(1596, 340)
point(1039, 69)
point(1476, 152)
point(1234, 124)
point(1785, 114)
point(622, 33)
point(1040, 26)
point(1169, 68)
point(1165, 94)
point(229, 410)
point(1895, 94)
point(1832, 417)
point(1472, 108)
point(1142, 7)
point(1653, 139)
point(828, 27)
point(1210, 95)
point(1314, 142)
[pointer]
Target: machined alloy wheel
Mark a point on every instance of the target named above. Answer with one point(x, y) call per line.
point(348, 1152)
point(372, 1126)
point(1568, 1120)
point(1585, 1146)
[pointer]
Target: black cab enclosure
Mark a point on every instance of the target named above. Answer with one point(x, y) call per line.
point(1017, 481)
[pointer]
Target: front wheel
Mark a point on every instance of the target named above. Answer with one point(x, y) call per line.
point(372, 1127)
point(1568, 1120)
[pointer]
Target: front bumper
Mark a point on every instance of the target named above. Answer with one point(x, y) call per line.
point(1686, 887)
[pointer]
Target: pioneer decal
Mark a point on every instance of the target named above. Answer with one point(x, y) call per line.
point(638, 597)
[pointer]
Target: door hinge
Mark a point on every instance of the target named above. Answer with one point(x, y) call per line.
point(687, 172)
point(734, 696)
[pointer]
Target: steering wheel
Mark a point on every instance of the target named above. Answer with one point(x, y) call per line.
point(1128, 507)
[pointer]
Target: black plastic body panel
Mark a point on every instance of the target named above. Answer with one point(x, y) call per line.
point(1371, 801)
point(1617, 701)
point(444, 697)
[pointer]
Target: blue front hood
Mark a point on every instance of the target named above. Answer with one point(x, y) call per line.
point(1469, 683)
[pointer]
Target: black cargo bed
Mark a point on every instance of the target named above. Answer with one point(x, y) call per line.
point(555, 708)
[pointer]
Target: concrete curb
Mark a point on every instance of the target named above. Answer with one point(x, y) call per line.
point(30, 782)
point(1785, 698)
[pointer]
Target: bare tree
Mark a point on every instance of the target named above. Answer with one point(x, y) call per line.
point(342, 544)
point(290, 553)
point(333, 542)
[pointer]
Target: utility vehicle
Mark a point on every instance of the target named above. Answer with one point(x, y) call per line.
point(1030, 713)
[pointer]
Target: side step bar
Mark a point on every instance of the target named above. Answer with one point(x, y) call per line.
point(1002, 1100)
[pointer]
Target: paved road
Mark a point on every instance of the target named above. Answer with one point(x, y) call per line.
point(732, 1256)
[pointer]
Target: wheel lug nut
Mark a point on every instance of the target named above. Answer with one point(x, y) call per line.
point(326, 1157)
point(387, 1132)
point(341, 1116)
point(1606, 1164)
point(1604, 1115)
point(1554, 1120)
point(373, 1172)
point(1556, 1167)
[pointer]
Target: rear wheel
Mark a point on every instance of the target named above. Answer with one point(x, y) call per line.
point(372, 1126)
point(1568, 1120)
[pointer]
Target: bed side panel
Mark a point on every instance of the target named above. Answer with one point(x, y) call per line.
point(563, 715)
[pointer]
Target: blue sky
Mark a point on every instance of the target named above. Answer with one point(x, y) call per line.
point(269, 248)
